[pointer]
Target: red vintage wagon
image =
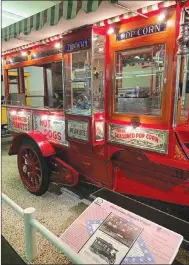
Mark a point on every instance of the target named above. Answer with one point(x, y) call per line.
point(113, 108)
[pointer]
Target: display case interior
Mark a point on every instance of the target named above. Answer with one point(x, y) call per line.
point(139, 80)
point(84, 78)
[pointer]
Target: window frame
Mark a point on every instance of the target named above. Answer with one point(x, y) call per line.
point(166, 37)
point(68, 61)
point(182, 120)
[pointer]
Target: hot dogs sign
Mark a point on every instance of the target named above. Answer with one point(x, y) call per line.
point(152, 140)
point(53, 127)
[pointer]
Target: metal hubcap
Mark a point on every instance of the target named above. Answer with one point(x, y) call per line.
point(24, 168)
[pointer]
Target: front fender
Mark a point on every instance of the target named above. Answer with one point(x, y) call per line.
point(45, 147)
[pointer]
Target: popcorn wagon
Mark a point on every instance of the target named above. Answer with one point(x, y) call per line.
point(114, 106)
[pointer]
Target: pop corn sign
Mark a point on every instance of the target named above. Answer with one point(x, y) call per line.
point(150, 139)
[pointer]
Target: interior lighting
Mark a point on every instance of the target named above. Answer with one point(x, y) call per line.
point(44, 117)
point(95, 38)
point(57, 45)
point(129, 129)
point(110, 31)
point(13, 112)
point(161, 17)
point(24, 53)
point(101, 49)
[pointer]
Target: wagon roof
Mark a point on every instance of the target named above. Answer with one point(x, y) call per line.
point(67, 15)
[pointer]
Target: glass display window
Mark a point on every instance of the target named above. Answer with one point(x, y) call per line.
point(78, 87)
point(84, 78)
point(139, 80)
point(181, 110)
point(34, 86)
point(98, 62)
point(54, 84)
point(184, 87)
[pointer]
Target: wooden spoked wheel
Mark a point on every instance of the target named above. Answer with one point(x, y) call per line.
point(33, 168)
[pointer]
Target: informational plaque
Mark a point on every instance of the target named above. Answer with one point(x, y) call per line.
point(19, 120)
point(149, 139)
point(107, 234)
point(78, 129)
point(51, 126)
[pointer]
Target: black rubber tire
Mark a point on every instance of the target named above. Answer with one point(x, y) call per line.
point(44, 166)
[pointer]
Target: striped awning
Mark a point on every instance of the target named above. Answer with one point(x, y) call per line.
point(106, 22)
point(143, 10)
point(67, 9)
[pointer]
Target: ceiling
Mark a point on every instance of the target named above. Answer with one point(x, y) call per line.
point(13, 11)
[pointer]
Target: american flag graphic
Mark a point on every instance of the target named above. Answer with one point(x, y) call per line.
point(92, 225)
point(139, 254)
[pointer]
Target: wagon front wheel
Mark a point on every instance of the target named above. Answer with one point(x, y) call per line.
point(33, 168)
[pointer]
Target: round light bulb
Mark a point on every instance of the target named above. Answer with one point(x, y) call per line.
point(57, 45)
point(161, 17)
point(110, 31)
point(24, 53)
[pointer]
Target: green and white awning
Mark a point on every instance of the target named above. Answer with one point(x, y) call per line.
point(67, 9)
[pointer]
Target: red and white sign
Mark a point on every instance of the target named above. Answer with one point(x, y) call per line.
point(150, 139)
point(51, 126)
point(19, 120)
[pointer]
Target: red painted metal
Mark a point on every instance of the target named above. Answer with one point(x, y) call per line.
point(29, 167)
point(45, 147)
point(130, 182)
point(65, 174)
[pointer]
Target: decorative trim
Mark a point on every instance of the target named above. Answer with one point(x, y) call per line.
point(34, 44)
point(26, 26)
point(128, 15)
point(178, 154)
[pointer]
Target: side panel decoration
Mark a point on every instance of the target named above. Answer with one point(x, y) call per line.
point(19, 120)
point(51, 126)
point(153, 140)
